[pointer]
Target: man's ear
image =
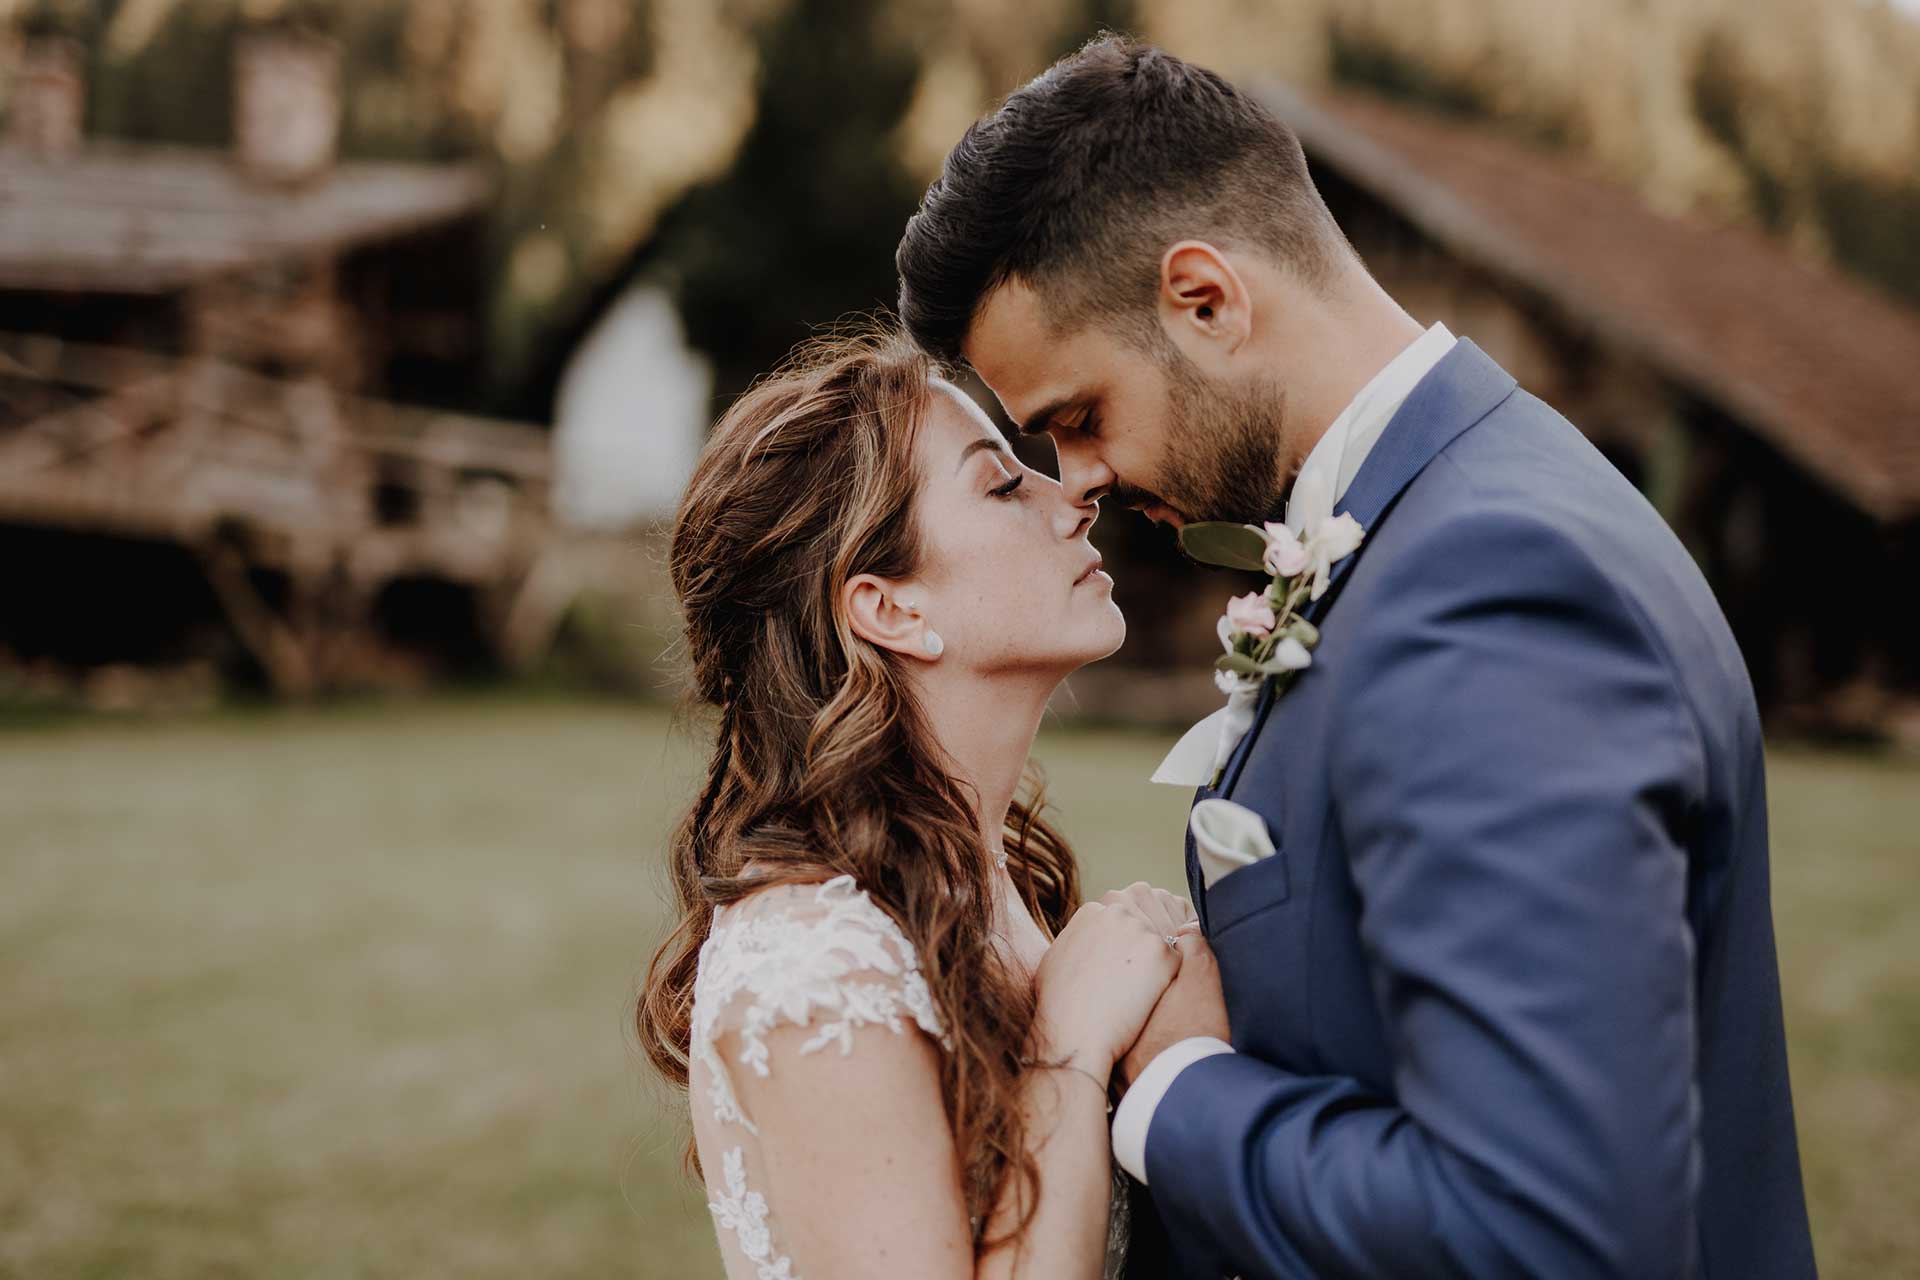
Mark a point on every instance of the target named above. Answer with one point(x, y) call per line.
point(885, 614)
point(1204, 304)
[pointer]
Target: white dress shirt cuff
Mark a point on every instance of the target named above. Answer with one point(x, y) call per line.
point(1135, 1113)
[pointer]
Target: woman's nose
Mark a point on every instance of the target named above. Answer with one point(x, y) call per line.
point(1089, 514)
point(1072, 519)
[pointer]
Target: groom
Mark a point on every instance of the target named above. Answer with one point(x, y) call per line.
point(1503, 994)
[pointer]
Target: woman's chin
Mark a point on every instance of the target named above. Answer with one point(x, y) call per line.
point(1080, 641)
point(1105, 640)
point(1119, 636)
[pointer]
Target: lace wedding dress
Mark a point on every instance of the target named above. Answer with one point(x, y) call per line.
point(823, 958)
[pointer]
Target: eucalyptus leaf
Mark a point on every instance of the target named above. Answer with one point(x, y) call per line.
point(1231, 546)
point(1303, 631)
point(1239, 664)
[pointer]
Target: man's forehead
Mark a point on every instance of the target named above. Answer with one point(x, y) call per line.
point(1020, 355)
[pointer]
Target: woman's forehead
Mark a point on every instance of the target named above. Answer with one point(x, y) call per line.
point(955, 416)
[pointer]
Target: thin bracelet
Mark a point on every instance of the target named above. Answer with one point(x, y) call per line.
point(1068, 1066)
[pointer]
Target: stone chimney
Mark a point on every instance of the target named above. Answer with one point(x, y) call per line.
point(49, 104)
point(286, 104)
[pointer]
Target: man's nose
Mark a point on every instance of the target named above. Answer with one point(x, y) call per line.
point(1083, 475)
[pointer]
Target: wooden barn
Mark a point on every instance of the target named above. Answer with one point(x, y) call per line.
point(198, 455)
point(1771, 410)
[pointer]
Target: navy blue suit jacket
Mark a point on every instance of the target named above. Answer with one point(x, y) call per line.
point(1505, 1000)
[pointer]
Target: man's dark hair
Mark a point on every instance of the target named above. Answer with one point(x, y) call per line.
point(1082, 178)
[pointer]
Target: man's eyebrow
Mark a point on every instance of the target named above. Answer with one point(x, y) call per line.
point(1038, 423)
point(975, 446)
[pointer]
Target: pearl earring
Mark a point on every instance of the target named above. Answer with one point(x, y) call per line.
point(933, 644)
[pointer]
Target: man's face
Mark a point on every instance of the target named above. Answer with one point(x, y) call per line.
point(1150, 431)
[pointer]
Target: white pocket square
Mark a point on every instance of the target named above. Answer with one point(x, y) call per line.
point(1227, 836)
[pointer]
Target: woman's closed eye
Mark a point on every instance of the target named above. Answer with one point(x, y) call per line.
point(1006, 490)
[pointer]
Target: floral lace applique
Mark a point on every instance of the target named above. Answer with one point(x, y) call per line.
point(838, 954)
point(830, 961)
point(744, 1213)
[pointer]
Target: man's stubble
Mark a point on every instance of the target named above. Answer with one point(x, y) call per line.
point(1223, 459)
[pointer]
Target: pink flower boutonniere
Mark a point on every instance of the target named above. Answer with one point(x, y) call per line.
point(1262, 632)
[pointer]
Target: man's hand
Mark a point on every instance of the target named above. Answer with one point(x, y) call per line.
point(1191, 1006)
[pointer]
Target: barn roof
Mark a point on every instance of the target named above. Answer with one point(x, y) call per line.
point(1826, 369)
point(119, 218)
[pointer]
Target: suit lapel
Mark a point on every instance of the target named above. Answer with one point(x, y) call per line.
point(1459, 391)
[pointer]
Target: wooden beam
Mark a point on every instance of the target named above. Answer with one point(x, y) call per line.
point(280, 650)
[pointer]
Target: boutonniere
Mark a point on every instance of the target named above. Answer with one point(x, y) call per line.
point(1262, 632)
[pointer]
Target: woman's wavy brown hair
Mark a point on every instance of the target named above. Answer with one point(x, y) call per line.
point(824, 764)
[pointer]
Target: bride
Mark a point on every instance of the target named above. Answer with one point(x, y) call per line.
point(896, 1021)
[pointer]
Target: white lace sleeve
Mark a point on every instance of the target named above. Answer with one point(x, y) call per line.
point(820, 957)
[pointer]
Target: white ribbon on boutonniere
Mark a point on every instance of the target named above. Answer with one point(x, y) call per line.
point(1262, 632)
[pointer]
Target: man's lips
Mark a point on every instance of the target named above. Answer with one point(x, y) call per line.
point(1161, 513)
point(1147, 503)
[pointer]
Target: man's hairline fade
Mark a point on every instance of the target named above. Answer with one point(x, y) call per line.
point(1293, 229)
point(1136, 323)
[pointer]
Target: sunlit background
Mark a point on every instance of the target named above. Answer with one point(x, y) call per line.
point(352, 353)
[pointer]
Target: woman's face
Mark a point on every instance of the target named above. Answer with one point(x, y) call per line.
point(1008, 578)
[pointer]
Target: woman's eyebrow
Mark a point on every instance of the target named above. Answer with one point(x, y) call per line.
point(975, 446)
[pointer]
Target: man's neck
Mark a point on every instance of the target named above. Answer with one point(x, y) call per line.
point(1332, 355)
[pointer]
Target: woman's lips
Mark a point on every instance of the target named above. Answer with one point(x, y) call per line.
point(1091, 572)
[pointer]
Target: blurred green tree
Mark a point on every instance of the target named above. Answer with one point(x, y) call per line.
point(801, 229)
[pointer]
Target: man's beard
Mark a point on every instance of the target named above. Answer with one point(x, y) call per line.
point(1222, 460)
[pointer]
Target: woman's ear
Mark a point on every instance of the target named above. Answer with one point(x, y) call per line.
point(886, 614)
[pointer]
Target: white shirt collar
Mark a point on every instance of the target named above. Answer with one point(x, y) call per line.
point(1334, 462)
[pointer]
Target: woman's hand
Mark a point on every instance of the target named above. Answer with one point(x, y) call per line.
point(1193, 1005)
point(1103, 975)
point(1169, 912)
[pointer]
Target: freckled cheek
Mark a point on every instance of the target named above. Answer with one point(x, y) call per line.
point(1009, 590)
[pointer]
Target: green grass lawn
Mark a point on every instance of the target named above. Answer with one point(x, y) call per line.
point(347, 993)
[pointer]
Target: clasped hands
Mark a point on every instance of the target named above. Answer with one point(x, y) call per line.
point(1112, 994)
point(1193, 1003)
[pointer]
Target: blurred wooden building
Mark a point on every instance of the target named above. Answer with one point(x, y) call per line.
point(198, 447)
point(1771, 410)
